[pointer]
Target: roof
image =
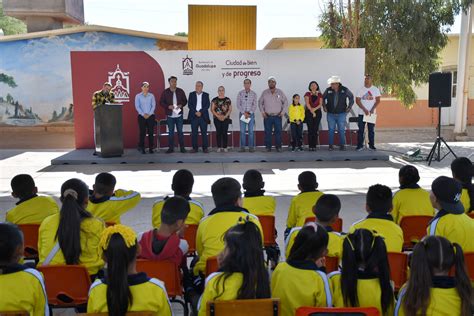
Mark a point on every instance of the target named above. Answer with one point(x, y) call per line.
point(277, 41)
point(93, 28)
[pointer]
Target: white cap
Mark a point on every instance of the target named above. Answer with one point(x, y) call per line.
point(272, 78)
point(334, 79)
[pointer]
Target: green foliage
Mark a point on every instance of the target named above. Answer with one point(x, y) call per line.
point(183, 34)
point(9, 25)
point(402, 39)
point(8, 80)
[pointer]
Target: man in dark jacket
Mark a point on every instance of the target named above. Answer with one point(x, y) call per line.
point(337, 101)
point(173, 99)
point(199, 104)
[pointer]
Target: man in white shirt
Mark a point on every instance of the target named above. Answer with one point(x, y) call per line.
point(368, 98)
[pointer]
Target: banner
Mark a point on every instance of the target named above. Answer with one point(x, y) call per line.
point(292, 69)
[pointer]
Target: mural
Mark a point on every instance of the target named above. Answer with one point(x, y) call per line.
point(35, 75)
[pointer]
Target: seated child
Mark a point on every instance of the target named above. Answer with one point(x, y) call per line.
point(326, 211)
point(410, 200)
point(182, 185)
point(124, 289)
point(72, 235)
point(242, 273)
point(21, 288)
point(301, 205)
point(431, 290)
point(31, 208)
point(254, 199)
point(364, 280)
point(301, 280)
point(450, 222)
point(463, 171)
point(379, 206)
point(109, 204)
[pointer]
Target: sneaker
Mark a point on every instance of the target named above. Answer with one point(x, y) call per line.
point(269, 149)
point(151, 151)
point(218, 150)
point(193, 151)
point(170, 150)
point(251, 149)
point(331, 148)
point(359, 148)
point(205, 150)
point(142, 150)
point(293, 149)
point(279, 149)
point(301, 148)
point(242, 150)
point(182, 150)
point(226, 150)
point(372, 148)
point(342, 148)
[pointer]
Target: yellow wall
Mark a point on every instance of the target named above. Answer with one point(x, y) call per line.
point(215, 27)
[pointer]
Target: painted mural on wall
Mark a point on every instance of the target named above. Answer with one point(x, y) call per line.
point(35, 74)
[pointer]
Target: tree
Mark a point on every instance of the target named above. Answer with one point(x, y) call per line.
point(402, 39)
point(8, 80)
point(9, 25)
point(183, 34)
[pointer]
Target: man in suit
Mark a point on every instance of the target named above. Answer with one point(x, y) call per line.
point(199, 103)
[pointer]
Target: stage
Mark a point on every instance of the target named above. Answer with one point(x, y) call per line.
point(132, 156)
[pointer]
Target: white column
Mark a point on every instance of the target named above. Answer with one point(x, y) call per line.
point(462, 89)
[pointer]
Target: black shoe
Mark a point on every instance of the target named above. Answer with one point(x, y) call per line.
point(182, 150)
point(342, 148)
point(269, 149)
point(151, 151)
point(372, 148)
point(142, 150)
point(359, 148)
point(169, 151)
point(205, 150)
point(95, 153)
point(331, 148)
point(279, 149)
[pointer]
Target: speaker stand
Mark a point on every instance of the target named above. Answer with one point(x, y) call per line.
point(435, 152)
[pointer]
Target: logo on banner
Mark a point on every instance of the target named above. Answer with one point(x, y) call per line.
point(120, 82)
point(187, 66)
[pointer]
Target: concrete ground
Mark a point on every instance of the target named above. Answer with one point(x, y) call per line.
point(349, 180)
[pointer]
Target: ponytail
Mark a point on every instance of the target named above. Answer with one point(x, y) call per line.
point(463, 171)
point(120, 250)
point(73, 194)
point(463, 283)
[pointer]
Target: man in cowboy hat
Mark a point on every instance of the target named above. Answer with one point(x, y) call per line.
point(337, 101)
point(145, 105)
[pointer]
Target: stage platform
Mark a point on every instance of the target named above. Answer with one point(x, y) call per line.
point(132, 156)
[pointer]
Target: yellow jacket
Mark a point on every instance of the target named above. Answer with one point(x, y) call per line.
point(91, 231)
point(299, 284)
point(384, 225)
point(410, 202)
point(260, 205)
point(465, 200)
point(109, 209)
point(456, 228)
point(196, 212)
point(22, 289)
point(211, 230)
point(148, 295)
point(334, 244)
point(32, 211)
point(296, 113)
point(301, 207)
point(214, 289)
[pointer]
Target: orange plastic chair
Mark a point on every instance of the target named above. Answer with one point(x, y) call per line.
point(469, 261)
point(337, 226)
point(332, 264)
point(268, 227)
point(471, 214)
point(261, 307)
point(315, 311)
point(398, 262)
point(66, 285)
point(414, 229)
point(190, 236)
point(168, 272)
point(211, 265)
point(30, 236)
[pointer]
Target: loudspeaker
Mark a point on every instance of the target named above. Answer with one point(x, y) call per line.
point(440, 90)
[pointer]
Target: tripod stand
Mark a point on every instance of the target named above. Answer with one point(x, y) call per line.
point(436, 149)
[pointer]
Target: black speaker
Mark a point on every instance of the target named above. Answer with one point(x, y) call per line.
point(440, 90)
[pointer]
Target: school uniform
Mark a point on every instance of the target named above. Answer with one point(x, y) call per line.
point(369, 292)
point(196, 212)
point(296, 115)
point(410, 202)
point(444, 298)
point(110, 208)
point(213, 288)
point(334, 244)
point(211, 230)
point(91, 231)
point(22, 289)
point(259, 204)
point(466, 201)
point(170, 248)
point(32, 210)
point(148, 294)
point(455, 226)
point(301, 207)
point(300, 283)
point(384, 225)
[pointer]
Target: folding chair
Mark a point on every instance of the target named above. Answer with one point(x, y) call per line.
point(471, 214)
point(30, 236)
point(337, 226)
point(66, 285)
point(190, 237)
point(414, 229)
point(169, 273)
point(353, 119)
point(345, 311)
point(261, 307)
point(332, 264)
point(398, 262)
point(469, 261)
point(160, 125)
point(268, 227)
point(211, 265)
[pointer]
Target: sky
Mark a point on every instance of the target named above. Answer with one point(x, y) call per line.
point(275, 18)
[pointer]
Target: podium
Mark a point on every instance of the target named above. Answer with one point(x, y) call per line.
point(108, 130)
